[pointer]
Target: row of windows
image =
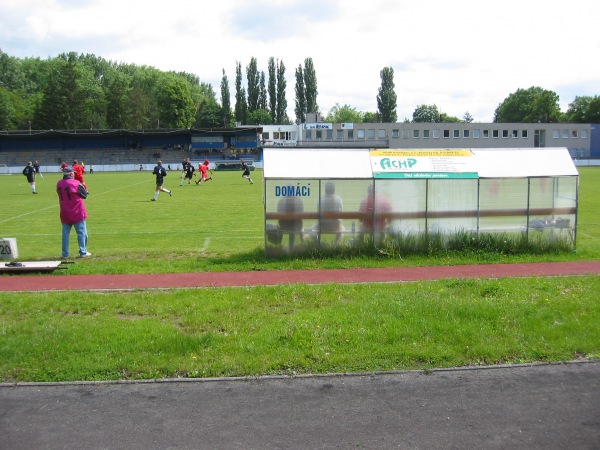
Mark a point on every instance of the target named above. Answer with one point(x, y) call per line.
point(436, 134)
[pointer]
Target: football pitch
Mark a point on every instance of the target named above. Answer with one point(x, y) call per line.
point(217, 218)
point(215, 226)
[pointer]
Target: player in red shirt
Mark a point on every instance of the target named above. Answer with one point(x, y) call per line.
point(203, 168)
point(79, 171)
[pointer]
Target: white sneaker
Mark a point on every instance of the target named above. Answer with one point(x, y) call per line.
point(85, 255)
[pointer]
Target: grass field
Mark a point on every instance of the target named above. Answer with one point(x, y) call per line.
point(62, 336)
point(213, 227)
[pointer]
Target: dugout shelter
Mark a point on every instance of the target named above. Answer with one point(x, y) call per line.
point(387, 194)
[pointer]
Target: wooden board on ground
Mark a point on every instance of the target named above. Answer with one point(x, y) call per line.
point(31, 266)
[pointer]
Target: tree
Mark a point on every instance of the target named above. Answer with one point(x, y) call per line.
point(259, 117)
point(209, 114)
point(118, 113)
point(344, 114)
point(386, 99)
point(468, 118)
point(371, 117)
point(225, 101)
point(272, 90)
point(310, 86)
point(300, 109)
point(175, 103)
point(241, 106)
point(281, 110)
point(253, 78)
point(584, 109)
point(533, 105)
point(262, 97)
point(426, 113)
point(7, 110)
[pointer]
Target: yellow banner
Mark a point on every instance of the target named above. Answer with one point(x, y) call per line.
point(434, 153)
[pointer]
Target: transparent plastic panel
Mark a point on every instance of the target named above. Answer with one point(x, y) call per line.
point(452, 206)
point(503, 204)
point(407, 199)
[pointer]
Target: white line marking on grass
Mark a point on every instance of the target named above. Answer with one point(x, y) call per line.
point(56, 205)
point(206, 242)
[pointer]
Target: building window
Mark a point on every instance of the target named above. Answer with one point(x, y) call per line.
point(555, 134)
point(496, 134)
point(515, 133)
point(361, 134)
point(446, 133)
point(340, 134)
point(350, 134)
point(329, 134)
point(466, 134)
point(395, 134)
point(524, 134)
point(265, 136)
point(381, 134)
point(583, 134)
point(319, 134)
point(456, 133)
point(308, 134)
point(371, 134)
point(486, 134)
point(476, 133)
point(405, 134)
point(416, 134)
point(436, 133)
point(574, 134)
point(565, 134)
point(425, 134)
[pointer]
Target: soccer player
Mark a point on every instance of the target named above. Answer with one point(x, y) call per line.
point(79, 171)
point(160, 173)
point(36, 166)
point(203, 168)
point(246, 173)
point(29, 172)
point(189, 174)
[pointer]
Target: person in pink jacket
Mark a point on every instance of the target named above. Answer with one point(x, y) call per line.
point(72, 212)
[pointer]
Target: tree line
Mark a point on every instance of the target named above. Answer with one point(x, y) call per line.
point(77, 91)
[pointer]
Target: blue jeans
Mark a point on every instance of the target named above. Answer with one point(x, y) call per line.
point(82, 237)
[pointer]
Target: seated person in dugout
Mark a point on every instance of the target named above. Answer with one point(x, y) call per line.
point(373, 206)
point(292, 227)
point(332, 203)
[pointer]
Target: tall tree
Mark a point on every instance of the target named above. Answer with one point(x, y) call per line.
point(310, 86)
point(253, 79)
point(281, 112)
point(241, 105)
point(300, 109)
point(272, 89)
point(118, 113)
point(225, 101)
point(262, 98)
point(533, 105)
point(386, 99)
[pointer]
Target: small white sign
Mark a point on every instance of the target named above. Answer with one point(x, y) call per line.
point(8, 248)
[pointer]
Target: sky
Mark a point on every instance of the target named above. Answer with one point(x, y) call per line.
point(461, 55)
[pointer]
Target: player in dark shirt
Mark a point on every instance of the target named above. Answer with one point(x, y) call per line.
point(29, 172)
point(36, 167)
point(160, 173)
point(189, 174)
point(246, 173)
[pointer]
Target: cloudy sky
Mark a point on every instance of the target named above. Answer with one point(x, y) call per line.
point(462, 55)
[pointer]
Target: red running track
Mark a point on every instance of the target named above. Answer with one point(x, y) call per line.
point(15, 282)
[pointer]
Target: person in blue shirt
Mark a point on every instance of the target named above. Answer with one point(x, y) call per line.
point(160, 173)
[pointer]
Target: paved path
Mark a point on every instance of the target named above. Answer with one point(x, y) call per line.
point(521, 407)
point(15, 282)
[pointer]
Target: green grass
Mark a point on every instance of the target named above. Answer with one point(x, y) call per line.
point(297, 329)
point(267, 330)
